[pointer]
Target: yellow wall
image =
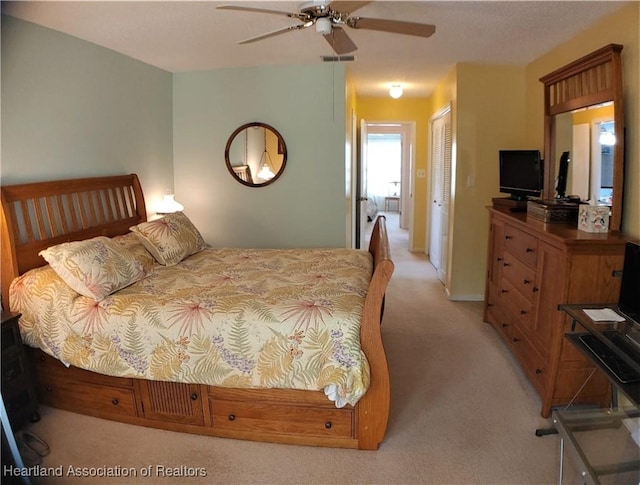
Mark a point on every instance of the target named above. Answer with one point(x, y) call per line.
point(496, 107)
point(487, 117)
point(622, 27)
point(350, 167)
point(416, 110)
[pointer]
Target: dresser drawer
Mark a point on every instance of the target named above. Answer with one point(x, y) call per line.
point(521, 276)
point(532, 362)
point(14, 373)
point(521, 244)
point(518, 305)
point(269, 418)
point(501, 319)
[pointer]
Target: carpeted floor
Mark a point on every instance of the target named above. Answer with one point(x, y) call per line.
point(462, 412)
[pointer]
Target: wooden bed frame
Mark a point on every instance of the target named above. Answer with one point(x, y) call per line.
point(35, 216)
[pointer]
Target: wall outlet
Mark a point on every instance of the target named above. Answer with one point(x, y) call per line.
point(421, 173)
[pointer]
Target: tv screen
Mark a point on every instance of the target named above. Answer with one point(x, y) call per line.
point(629, 301)
point(563, 173)
point(521, 173)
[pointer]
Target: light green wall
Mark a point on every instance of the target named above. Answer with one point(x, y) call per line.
point(622, 27)
point(306, 104)
point(72, 109)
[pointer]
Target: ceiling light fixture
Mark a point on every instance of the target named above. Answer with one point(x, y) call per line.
point(323, 25)
point(396, 91)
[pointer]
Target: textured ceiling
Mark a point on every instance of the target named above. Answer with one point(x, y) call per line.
point(182, 36)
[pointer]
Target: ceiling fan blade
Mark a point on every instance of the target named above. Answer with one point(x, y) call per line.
point(393, 26)
point(272, 34)
point(260, 10)
point(346, 6)
point(340, 41)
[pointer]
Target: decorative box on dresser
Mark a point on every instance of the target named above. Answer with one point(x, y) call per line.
point(533, 267)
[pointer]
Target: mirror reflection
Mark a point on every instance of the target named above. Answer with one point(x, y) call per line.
point(255, 154)
point(588, 135)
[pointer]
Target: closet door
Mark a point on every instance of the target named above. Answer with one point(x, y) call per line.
point(440, 193)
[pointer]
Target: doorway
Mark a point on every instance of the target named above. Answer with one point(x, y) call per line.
point(386, 161)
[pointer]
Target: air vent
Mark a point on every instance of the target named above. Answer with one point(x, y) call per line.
point(338, 58)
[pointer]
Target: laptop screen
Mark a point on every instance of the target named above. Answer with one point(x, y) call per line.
point(629, 302)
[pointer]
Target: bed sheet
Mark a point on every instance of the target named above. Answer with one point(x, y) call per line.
point(245, 318)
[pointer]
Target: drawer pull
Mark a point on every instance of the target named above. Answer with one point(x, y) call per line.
point(115, 402)
point(523, 312)
point(232, 417)
point(535, 289)
point(42, 358)
point(529, 250)
point(505, 325)
point(498, 259)
point(49, 388)
point(506, 264)
point(194, 396)
point(526, 282)
point(538, 371)
point(504, 291)
point(507, 237)
point(328, 425)
point(516, 339)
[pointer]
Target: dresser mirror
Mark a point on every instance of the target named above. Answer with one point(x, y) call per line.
point(584, 116)
point(589, 135)
point(256, 154)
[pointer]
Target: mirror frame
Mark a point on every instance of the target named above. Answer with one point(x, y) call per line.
point(593, 79)
point(281, 144)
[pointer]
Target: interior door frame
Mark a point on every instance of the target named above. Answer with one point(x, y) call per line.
point(407, 130)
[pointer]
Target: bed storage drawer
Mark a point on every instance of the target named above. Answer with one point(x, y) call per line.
point(96, 400)
point(261, 417)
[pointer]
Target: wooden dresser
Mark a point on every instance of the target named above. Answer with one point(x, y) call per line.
point(533, 267)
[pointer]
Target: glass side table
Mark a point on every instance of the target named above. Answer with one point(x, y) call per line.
point(604, 443)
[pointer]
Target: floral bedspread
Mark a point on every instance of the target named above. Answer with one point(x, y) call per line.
point(266, 318)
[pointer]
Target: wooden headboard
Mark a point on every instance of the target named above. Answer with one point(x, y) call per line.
point(37, 215)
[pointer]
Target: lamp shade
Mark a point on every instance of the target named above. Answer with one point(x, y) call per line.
point(169, 205)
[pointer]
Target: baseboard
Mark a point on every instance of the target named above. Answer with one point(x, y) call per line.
point(465, 297)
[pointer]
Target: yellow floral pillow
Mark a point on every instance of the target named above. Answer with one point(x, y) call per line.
point(170, 239)
point(94, 267)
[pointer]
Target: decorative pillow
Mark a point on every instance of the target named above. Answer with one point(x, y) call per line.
point(170, 239)
point(130, 242)
point(94, 267)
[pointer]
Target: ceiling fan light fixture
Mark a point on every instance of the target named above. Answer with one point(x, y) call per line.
point(323, 25)
point(396, 91)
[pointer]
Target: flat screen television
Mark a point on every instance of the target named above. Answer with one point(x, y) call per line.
point(629, 301)
point(521, 173)
point(563, 174)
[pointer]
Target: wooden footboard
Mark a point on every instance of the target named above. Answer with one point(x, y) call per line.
point(35, 216)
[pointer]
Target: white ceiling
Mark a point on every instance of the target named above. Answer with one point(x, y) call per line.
point(182, 36)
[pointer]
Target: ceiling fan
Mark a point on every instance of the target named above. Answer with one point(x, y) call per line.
point(329, 19)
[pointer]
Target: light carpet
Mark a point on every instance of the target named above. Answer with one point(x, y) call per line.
point(462, 412)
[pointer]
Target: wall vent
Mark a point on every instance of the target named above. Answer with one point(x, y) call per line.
point(338, 58)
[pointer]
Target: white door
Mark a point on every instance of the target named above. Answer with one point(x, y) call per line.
point(362, 187)
point(440, 193)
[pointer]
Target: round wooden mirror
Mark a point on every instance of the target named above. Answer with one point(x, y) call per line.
point(256, 154)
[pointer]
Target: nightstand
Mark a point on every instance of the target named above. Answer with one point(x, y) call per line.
point(18, 391)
